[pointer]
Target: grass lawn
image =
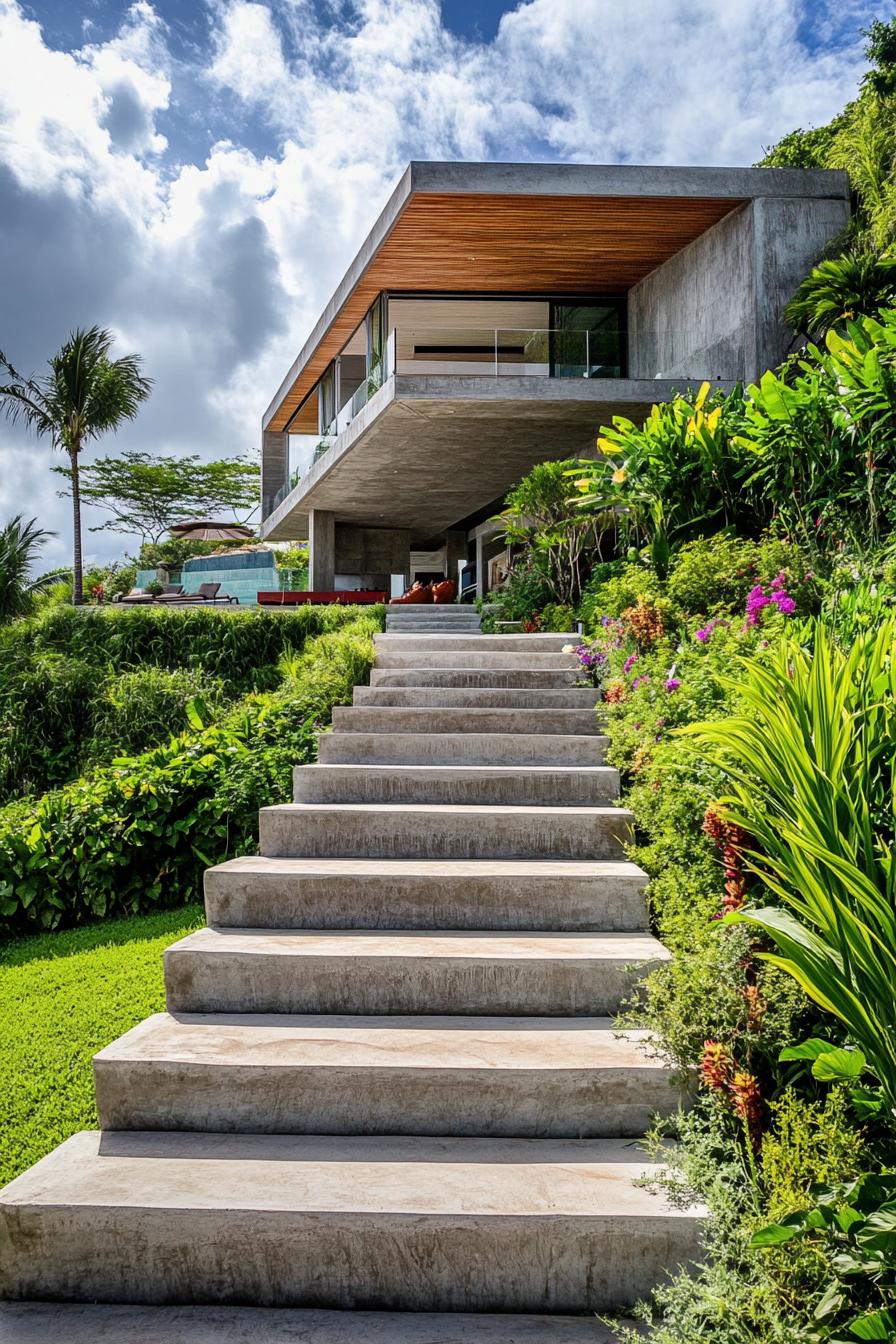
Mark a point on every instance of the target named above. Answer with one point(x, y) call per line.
point(63, 996)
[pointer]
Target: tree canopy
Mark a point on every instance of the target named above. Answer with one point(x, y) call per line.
point(146, 494)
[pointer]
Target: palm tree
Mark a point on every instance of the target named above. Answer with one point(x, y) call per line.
point(19, 543)
point(84, 395)
point(857, 284)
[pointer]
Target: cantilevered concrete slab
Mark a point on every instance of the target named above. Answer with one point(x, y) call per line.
point(425, 452)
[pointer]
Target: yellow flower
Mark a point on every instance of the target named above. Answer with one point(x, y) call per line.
point(619, 476)
point(583, 485)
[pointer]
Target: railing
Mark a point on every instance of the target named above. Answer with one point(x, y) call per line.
point(559, 353)
point(289, 484)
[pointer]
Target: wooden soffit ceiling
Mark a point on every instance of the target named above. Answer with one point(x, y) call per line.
point(519, 244)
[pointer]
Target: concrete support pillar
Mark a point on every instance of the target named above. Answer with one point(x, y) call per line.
point(455, 553)
point(321, 550)
point(274, 466)
point(481, 567)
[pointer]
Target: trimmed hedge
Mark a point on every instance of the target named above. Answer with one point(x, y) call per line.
point(135, 836)
point(72, 680)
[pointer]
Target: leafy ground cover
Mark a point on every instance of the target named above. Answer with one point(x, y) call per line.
point(63, 996)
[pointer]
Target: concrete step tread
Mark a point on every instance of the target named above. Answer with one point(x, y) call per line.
point(342, 747)
point(77, 1323)
point(461, 945)
point(464, 811)
point(375, 869)
point(456, 771)
point(465, 660)
point(294, 1041)
point(475, 697)
point(357, 1176)
point(374, 718)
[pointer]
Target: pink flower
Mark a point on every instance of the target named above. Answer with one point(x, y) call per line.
point(629, 662)
point(786, 605)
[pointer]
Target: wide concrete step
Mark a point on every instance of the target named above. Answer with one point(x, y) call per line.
point(460, 749)
point(86, 1323)
point(547, 1225)
point(472, 697)
point(464, 659)
point(436, 831)
point(514, 785)
point(406, 971)
point(401, 642)
point(473, 1076)
point(465, 719)
point(537, 678)
point(255, 892)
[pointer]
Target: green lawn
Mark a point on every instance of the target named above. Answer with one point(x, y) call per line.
point(63, 996)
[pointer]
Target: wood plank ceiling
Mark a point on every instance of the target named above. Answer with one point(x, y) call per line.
point(518, 244)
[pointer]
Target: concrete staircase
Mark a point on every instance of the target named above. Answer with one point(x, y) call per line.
point(388, 1079)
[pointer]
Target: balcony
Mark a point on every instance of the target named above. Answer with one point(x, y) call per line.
point(451, 418)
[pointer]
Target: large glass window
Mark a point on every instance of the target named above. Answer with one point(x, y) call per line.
point(587, 340)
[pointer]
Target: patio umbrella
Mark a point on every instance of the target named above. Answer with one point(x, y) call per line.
point(206, 529)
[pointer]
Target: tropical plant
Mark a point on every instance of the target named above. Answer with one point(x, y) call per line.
point(678, 476)
point(85, 394)
point(147, 494)
point(560, 541)
point(860, 282)
point(809, 770)
point(19, 543)
point(822, 433)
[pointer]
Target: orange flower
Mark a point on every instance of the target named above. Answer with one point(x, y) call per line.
point(716, 1066)
point(748, 1104)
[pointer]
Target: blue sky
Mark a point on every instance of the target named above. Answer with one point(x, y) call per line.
point(197, 174)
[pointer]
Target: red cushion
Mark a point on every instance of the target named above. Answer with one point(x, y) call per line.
point(413, 596)
point(443, 592)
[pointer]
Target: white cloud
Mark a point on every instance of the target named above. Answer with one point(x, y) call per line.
point(214, 262)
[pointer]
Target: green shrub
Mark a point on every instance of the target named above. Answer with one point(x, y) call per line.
point(715, 574)
point(137, 709)
point(135, 836)
point(612, 589)
point(59, 707)
point(46, 713)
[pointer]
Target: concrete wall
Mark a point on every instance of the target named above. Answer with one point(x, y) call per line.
point(714, 309)
point(368, 556)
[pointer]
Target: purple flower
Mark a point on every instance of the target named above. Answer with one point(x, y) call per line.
point(639, 681)
point(785, 604)
point(672, 683)
point(629, 662)
point(606, 620)
point(703, 635)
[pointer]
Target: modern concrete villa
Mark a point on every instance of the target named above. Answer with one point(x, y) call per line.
point(496, 316)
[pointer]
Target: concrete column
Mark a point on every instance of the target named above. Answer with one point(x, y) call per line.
point(455, 552)
point(274, 466)
point(481, 567)
point(321, 550)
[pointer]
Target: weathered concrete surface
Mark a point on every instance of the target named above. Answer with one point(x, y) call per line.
point(51, 1322)
point(537, 678)
point(514, 785)
point(466, 973)
point(434, 831)
point(402, 1223)
point(321, 550)
point(254, 892)
point(426, 749)
point(464, 719)
point(399, 642)
point(483, 1077)
point(504, 660)
point(474, 697)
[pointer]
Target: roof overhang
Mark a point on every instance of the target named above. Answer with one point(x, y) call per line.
point(530, 228)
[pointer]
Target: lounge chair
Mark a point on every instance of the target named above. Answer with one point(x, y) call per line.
point(172, 592)
point(206, 593)
point(136, 597)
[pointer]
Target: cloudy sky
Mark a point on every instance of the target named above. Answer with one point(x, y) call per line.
point(197, 174)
